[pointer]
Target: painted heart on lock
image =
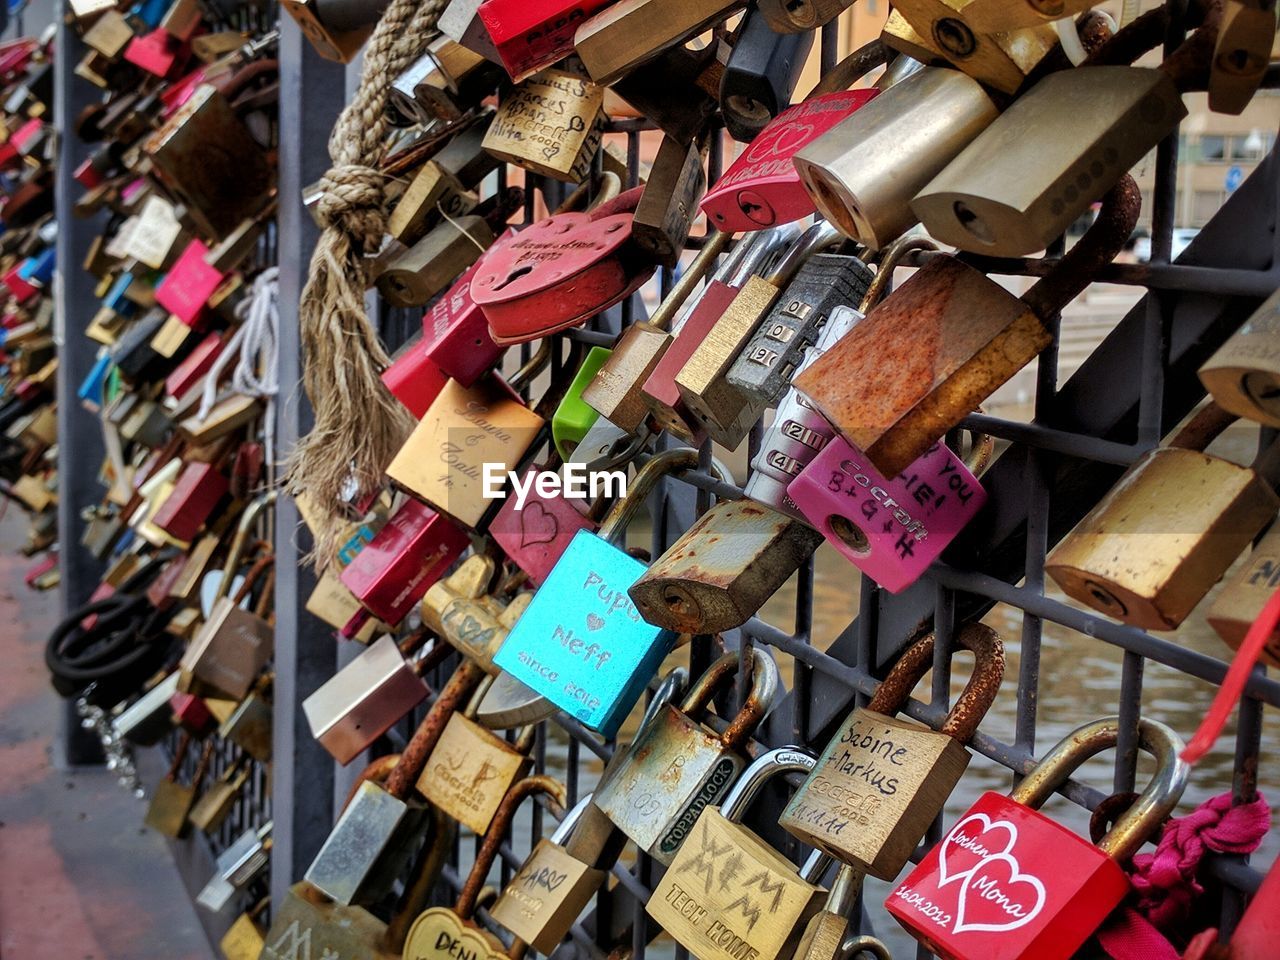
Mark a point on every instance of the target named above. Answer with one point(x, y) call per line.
point(997, 897)
point(963, 850)
point(594, 621)
point(537, 525)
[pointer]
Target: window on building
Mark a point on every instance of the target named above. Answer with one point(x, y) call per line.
point(1204, 204)
point(1213, 148)
point(1248, 149)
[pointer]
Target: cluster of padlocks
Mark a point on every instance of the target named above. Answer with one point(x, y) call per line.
point(438, 484)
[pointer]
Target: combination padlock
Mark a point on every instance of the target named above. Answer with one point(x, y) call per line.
point(881, 781)
point(1007, 883)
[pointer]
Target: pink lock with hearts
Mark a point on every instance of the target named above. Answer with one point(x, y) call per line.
point(535, 534)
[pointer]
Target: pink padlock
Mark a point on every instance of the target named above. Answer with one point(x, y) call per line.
point(158, 52)
point(455, 333)
point(762, 188)
point(413, 379)
point(891, 530)
point(25, 137)
point(536, 534)
point(190, 282)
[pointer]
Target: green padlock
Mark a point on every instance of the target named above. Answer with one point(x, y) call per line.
point(573, 418)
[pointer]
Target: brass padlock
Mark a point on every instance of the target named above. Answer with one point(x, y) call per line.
point(724, 568)
point(457, 609)
point(627, 33)
point(413, 277)
point(797, 16)
point(470, 771)
point(249, 726)
point(368, 846)
point(863, 173)
point(937, 347)
point(440, 933)
point(1244, 375)
point(677, 767)
point(337, 29)
point(432, 194)
point(729, 895)
point(214, 805)
point(1168, 530)
point(994, 16)
point(667, 208)
point(1240, 601)
point(827, 935)
point(1039, 166)
point(171, 801)
point(940, 29)
point(245, 937)
point(724, 411)
point(881, 782)
point(1241, 55)
point(551, 124)
point(234, 644)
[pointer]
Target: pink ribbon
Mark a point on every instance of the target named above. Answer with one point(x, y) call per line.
point(1166, 883)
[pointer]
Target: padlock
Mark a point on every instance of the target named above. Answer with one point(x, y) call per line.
point(440, 933)
point(582, 644)
point(531, 36)
point(149, 718)
point(361, 701)
point(369, 845)
point(308, 921)
point(245, 937)
point(249, 727)
point(1007, 883)
point(167, 812)
point(1168, 530)
point(940, 30)
point(214, 805)
point(191, 713)
point(199, 489)
point(1039, 166)
point(826, 281)
point(679, 767)
point(573, 418)
point(234, 644)
point(415, 276)
point(411, 551)
point(827, 935)
point(676, 90)
point(551, 124)
point(457, 609)
point(1241, 600)
point(669, 203)
point(470, 771)
point(797, 16)
point(1254, 937)
point(798, 431)
point(761, 74)
point(944, 341)
point(1241, 54)
point(433, 194)
point(337, 29)
point(560, 272)
point(881, 781)
point(891, 530)
point(725, 412)
point(1244, 374)
point(627, 33)
point(761, 188)
point(534, 536)
point(461, 23)
point(863, 173)
point(728, 895)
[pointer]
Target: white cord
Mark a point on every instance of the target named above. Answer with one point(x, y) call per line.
point(1070, 39)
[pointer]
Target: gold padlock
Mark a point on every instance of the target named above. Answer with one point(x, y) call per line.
point(171, 801)
point(1241, 55)
point(669, 204)
point(1240, 601)
point(413, 276)
point(551, 124)
point(214, 805)
point(629, 32)
point(1168, 530)
point(245, 937)
point(1244, 375)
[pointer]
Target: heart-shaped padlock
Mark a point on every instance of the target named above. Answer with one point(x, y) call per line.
point(560, 272)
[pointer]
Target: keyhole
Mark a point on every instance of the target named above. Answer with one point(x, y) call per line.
point(972, 223)
point(1260, 388)
point(513, 276)
point(954, 37)
point(849, 533)
point(1106, 598)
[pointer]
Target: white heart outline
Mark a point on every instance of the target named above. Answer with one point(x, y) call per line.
point(1015, 876)
point(987, 824)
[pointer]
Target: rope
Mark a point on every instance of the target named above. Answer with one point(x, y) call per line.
point(257, 374)
point(359, 426)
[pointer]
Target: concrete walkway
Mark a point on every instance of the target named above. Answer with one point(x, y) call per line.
point(80, 878)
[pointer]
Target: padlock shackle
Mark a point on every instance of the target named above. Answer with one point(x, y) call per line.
point(609, 187)
point(1104, 239)
point(441, 834)
point(856, 944)
point(1155, 803)
point(770, 764)
point(494, 837)
point(243, 531)
point(889, 262)
point(1203, 427)
point(658, 466)
point(532, 367)
point(721, 674)
point(416, 752)
point(712, 247)
point(851, 69)
point(978, 694)
point(564, 829)
point(814, 240)
point(844, 890)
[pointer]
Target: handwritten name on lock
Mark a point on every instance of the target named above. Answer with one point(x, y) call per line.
point(551, 122)
point(464, 428)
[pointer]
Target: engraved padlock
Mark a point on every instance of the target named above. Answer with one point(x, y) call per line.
point(1008, 883)
point(1241, 600)
point(863, 173)
point(881, 781)
point(536, 533)
point(725, 878)
point(1244, 374)
point(532, 35)
point(678, 766)
point(457, 609)
point(1168, 530)
point(551, 124)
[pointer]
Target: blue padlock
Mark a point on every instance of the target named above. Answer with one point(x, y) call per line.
point(92, 387)
point(582, 644)
point(39, 269)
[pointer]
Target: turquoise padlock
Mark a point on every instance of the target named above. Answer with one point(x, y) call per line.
point(573, 418)
point(582, 643)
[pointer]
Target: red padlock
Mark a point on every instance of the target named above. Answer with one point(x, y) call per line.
point(561, 271)
point(455, 333)
point(192, 714)
point(1256, 935)
point(762, 188)
point(413, 379)
point(191, 370)
point(158, 52)
point(536, 532)
point(198, 489)
point(411, 552)
point(190, 282)
point(532, 34)
point(1007, 883)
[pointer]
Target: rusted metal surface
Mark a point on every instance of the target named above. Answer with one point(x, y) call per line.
point(413, 758)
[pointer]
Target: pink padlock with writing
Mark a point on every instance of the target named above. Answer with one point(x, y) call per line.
point(455, 333)
point(891, 530)
point(190, 282)
point(535, 534)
